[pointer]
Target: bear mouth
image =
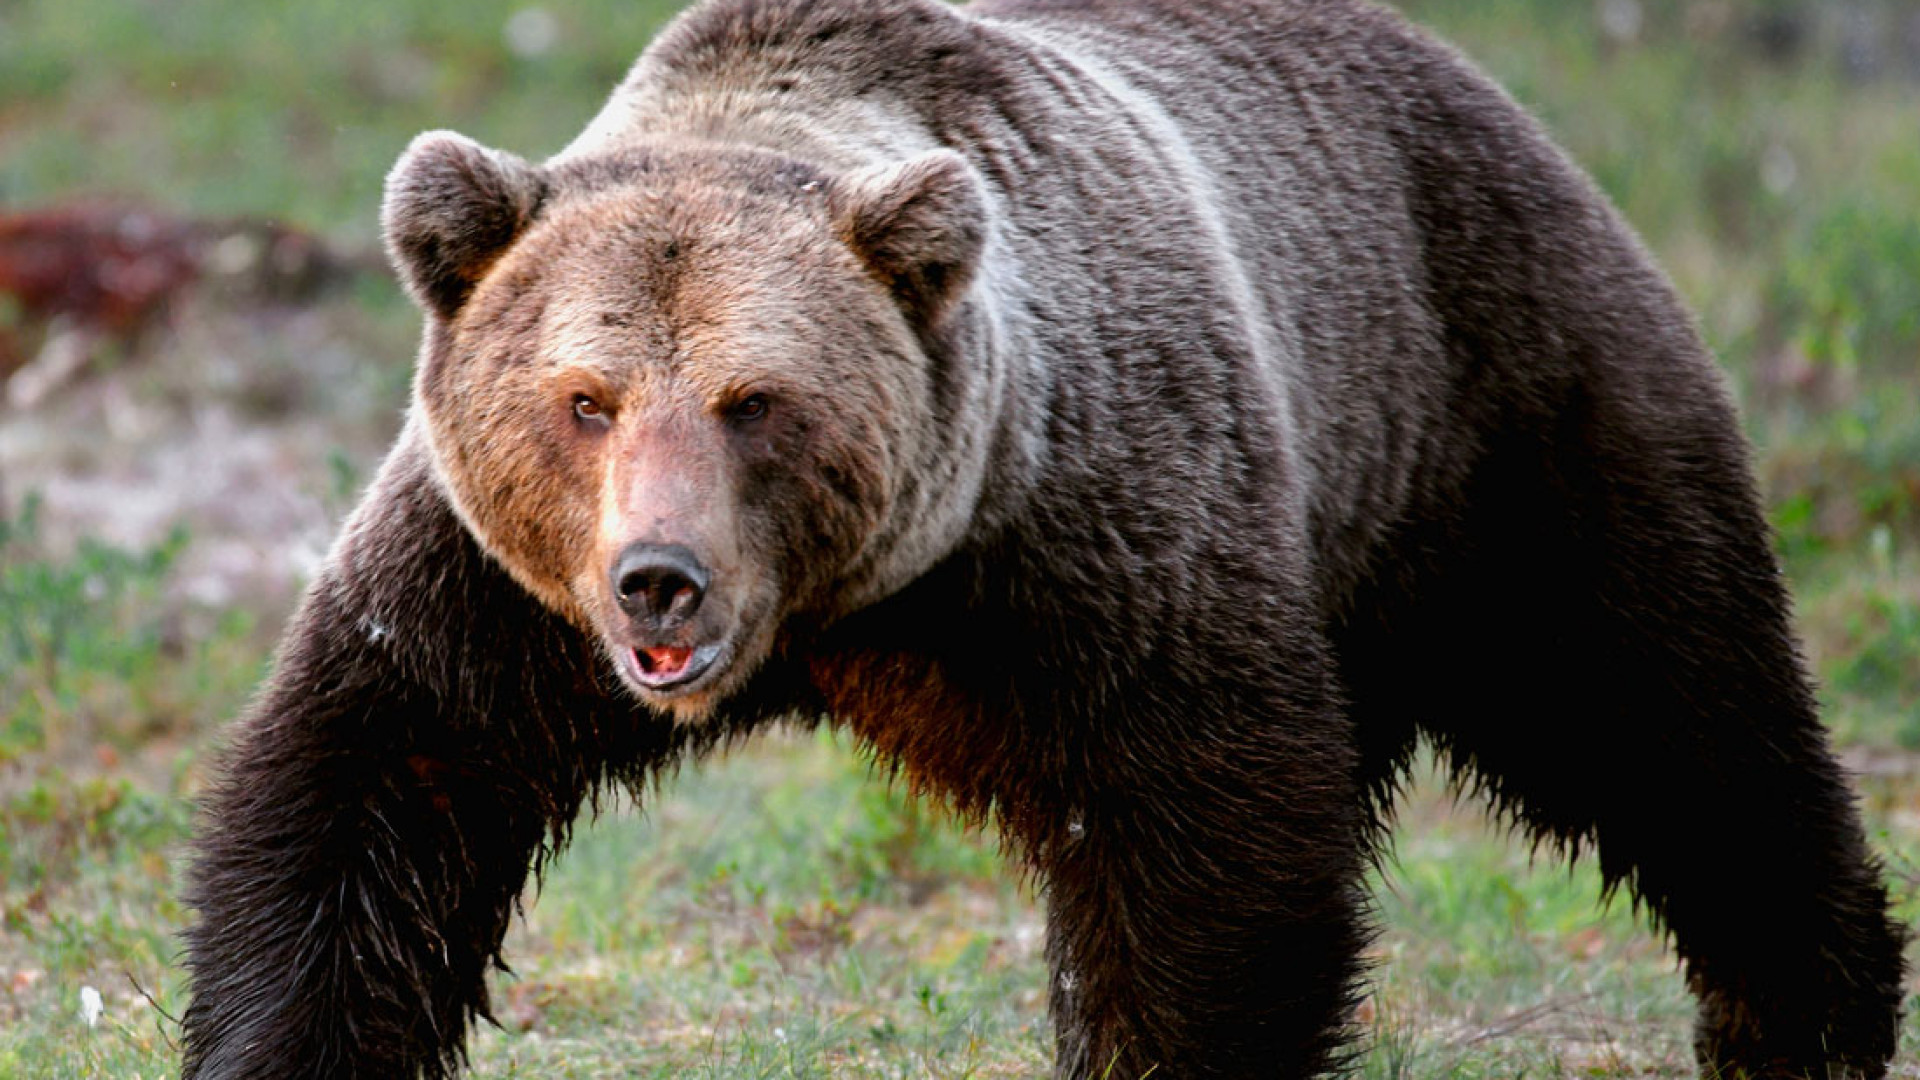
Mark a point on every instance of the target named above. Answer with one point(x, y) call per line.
point(666, 668)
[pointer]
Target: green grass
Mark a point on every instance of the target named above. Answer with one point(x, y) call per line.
point(781, 913)
point(789, 917)
point(103, 679)
point(93, 658)
point(293, 112)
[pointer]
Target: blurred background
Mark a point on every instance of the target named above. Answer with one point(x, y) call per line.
point(202, 357)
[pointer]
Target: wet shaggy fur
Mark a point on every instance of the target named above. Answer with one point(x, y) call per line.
point(1179, 409)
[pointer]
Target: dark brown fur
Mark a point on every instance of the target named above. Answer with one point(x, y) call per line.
point(1178, 410)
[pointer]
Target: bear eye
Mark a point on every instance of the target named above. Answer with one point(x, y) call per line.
point(588, 411)
point(750, 408)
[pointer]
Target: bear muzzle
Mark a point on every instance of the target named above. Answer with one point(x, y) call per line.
point(661, 589)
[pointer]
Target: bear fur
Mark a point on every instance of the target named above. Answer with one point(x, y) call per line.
point(1142, 420)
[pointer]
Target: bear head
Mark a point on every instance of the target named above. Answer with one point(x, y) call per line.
point(677, 392)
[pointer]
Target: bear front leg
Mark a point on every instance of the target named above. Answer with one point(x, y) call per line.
point(426, 738)
point(1205, 905)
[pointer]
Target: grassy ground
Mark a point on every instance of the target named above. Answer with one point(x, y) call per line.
point(781, 914)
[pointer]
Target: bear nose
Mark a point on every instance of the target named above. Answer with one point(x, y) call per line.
point(659, 581)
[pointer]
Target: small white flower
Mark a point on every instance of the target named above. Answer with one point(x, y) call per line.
point(532, 32)
point(90, 1005)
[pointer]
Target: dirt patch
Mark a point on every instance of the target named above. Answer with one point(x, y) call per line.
point(247, 420)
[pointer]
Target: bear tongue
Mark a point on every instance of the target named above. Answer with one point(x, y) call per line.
point(664, 659)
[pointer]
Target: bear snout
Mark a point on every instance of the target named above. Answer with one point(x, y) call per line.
point(659, 585)
point(670, 642)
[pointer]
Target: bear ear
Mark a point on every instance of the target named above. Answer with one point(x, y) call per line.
point(451, 207)
point(919, 225)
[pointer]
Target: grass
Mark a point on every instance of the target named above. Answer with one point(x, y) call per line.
point(225, 107)
point(780, 913)
point(791, 918)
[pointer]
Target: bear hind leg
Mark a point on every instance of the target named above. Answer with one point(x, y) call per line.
point(1612, 664)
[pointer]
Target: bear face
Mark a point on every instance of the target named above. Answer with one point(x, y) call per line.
point(674, 393)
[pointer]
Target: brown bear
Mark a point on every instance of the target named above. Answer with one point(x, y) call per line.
point(1145, 421)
